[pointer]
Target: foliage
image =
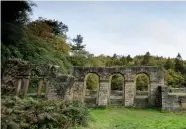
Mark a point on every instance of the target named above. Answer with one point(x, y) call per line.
point(142, 82)
point(117, 82)
point(92, 81)
point(179, 66)
point(169, 64)
point(174, 79)
point(14, 16)
point(44, 27)
point(29, 113)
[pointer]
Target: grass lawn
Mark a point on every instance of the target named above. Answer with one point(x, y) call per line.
point(128, 118)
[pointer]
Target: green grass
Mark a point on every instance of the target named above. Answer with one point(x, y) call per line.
point(128, 118)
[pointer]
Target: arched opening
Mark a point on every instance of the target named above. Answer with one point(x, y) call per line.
point(91, 89)
point(142, 88)
point(117, 89)
point(34, 85)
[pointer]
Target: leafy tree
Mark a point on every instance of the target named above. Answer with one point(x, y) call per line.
point(92, 82)
point(174, 79)
point(40, 29)
point(59, 44)
point(15, 11)
point(129, 59)
point(117, 82)
point(44, 28)
point(137, 62)
point(169, 64)
point(14, 15)
point(123, 60)
point(58, 28)
point(142, 82)
point(79, 58)
point(114, 56)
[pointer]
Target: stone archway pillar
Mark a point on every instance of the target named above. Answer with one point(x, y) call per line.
point(78, 90)
point(18, 86)
point(156, 80)
point(129, 93)
point(26, 84)
point(103, 92)
point(152, 95)
point(40, 87)
point(47, 88)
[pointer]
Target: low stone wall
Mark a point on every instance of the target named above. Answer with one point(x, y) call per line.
point(141, 92)
point(173, 102)
point(141, 101)
point(91, 97)
point(178, 90)
point(60, 87)
point(116, 98)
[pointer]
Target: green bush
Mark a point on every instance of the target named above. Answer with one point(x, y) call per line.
point(29, 113)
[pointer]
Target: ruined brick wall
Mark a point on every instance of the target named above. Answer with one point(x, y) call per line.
point(172, 101)
point(60, 87)
point(17, 74)
point(128, 95)
point(9, 76)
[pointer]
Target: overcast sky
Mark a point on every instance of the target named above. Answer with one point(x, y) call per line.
point(122, 27)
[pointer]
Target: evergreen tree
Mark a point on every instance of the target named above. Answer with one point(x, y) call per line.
point(123, 60)
point(129, 59)
point(179, 66)
point(146, 59)
point(78, 43)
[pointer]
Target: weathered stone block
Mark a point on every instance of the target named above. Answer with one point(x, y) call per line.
point(183, 106)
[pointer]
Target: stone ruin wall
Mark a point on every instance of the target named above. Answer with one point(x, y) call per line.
point(17, 75)
point(173, 99)
point(126, 97)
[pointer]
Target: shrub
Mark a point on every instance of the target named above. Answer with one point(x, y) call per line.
point(29, 113)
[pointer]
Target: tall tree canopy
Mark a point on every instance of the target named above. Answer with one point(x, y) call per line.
point(179, 66)
point(146, 59)
point(45, 27)
point(14, 14)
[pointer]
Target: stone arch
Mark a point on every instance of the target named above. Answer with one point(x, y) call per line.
point(142, 98)
point(114, 74)
point(156, 75)
point(116, 96)
point(146, 74)
point(91, 95)
point(33, 85)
